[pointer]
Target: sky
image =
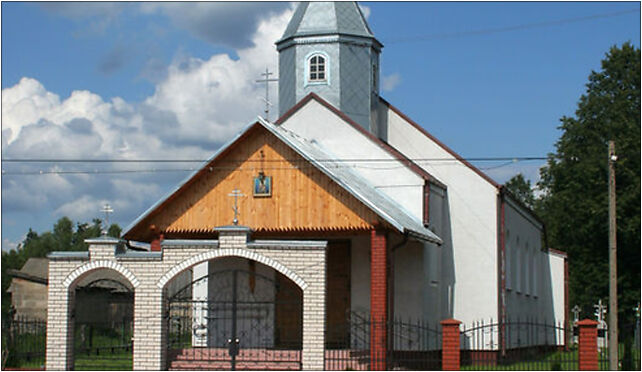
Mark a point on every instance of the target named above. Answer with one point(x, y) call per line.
point(177, 80)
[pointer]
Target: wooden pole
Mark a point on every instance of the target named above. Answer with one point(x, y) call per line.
point(613, 341)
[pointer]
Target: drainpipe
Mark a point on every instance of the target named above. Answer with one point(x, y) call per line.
point(501, 269)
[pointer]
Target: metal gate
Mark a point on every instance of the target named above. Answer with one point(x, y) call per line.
point(103, 326)
point(236, 319)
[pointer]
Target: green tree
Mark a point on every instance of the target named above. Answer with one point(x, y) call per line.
point(63, 237)
point(575, 184)
point(520, 188)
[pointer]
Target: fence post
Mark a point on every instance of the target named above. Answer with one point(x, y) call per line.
point(587, 348)
point(450, 349)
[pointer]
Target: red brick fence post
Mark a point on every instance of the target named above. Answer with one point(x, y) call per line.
point(450, 345)
point(587, 348)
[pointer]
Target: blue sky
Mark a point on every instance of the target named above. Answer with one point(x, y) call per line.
point(147, 80)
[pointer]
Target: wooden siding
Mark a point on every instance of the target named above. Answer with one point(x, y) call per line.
point(303, 198)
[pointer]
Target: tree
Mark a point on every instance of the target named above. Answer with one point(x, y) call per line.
point(520, 188)
point(63, 238)
point(575, 184)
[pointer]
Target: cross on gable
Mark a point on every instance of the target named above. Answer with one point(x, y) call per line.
point(236, 193)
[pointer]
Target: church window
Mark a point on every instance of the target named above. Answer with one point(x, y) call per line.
point(317, 69)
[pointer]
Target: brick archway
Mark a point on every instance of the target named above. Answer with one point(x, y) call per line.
point(231, 252)
point(100, 264)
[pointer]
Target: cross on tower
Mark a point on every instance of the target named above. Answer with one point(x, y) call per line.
point(267, 82)
point(236, 193)
point(107, 209)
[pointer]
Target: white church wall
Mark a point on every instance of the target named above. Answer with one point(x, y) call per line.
point(200, 291)
point(316, 123)
point(472, 212)
point(360, 275)
point(557, 267)
point(535, 282)
point(524, 270)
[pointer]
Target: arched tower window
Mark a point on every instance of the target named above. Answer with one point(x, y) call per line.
point(317, 69)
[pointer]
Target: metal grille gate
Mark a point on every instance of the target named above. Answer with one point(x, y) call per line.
point(246, 321)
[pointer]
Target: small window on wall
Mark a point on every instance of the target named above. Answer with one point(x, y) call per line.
point(317, 69)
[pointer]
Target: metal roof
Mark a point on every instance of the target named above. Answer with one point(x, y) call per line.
point(327, 18)
point(356, 185)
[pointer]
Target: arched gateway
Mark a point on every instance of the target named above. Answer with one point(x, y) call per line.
point(290, 275)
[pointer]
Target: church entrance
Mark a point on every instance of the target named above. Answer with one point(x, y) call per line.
point(246, 317)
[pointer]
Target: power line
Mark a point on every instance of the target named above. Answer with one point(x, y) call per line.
point(525, 26)
point(224, 168)
point(333, 160)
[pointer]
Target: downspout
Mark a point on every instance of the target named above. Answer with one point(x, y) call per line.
point(501, 270)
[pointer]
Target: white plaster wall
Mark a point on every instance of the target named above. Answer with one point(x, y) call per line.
point(472, 212)
point(360, 275)
point(199, 307)
point(527, 284)
point(557, 268)
point(316, 123)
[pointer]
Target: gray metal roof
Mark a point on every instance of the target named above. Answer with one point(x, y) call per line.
point(356, 185)
point(327, 18)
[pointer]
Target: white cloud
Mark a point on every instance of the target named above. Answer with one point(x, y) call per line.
point(230, 24)
point(198, 105)
point(390, 82)
point(365, 10)
point(8, 245)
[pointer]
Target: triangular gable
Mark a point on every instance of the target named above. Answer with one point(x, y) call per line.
point(303, 198)
point(320, 198)
point(383, 145)
point(501, 188)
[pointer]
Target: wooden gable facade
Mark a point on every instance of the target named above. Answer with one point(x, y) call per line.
point(303, 199)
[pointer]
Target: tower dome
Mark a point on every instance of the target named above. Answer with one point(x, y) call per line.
point(328, 49)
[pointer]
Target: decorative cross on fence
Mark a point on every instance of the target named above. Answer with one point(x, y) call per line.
point(236, 193)
point(576, 313)
point(107, 209)
point(267, 82)
point(600, 311)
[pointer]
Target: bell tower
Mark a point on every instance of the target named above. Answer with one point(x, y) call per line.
point(329, 49)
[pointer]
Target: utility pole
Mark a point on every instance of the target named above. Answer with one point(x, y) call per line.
point(613, 341)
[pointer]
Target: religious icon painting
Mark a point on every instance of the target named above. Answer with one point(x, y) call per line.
point(262, 186)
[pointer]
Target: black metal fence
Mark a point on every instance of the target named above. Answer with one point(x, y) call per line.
point(517, 345)
point(103, 345)
point(23, 342)
point(413, 345)
point(628, 347)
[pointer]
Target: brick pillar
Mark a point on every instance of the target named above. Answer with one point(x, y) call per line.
point(450, 349)
point(60, 322)
point(587, 349)
point(150, 328)
point(155, 246)
point(378, 300)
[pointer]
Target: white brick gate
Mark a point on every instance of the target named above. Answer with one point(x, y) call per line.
point(303, 262)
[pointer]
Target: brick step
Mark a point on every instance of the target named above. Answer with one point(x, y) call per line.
point(342, 360)
point(241, 365)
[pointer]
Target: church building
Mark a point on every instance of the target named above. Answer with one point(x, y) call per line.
point(304, 234)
